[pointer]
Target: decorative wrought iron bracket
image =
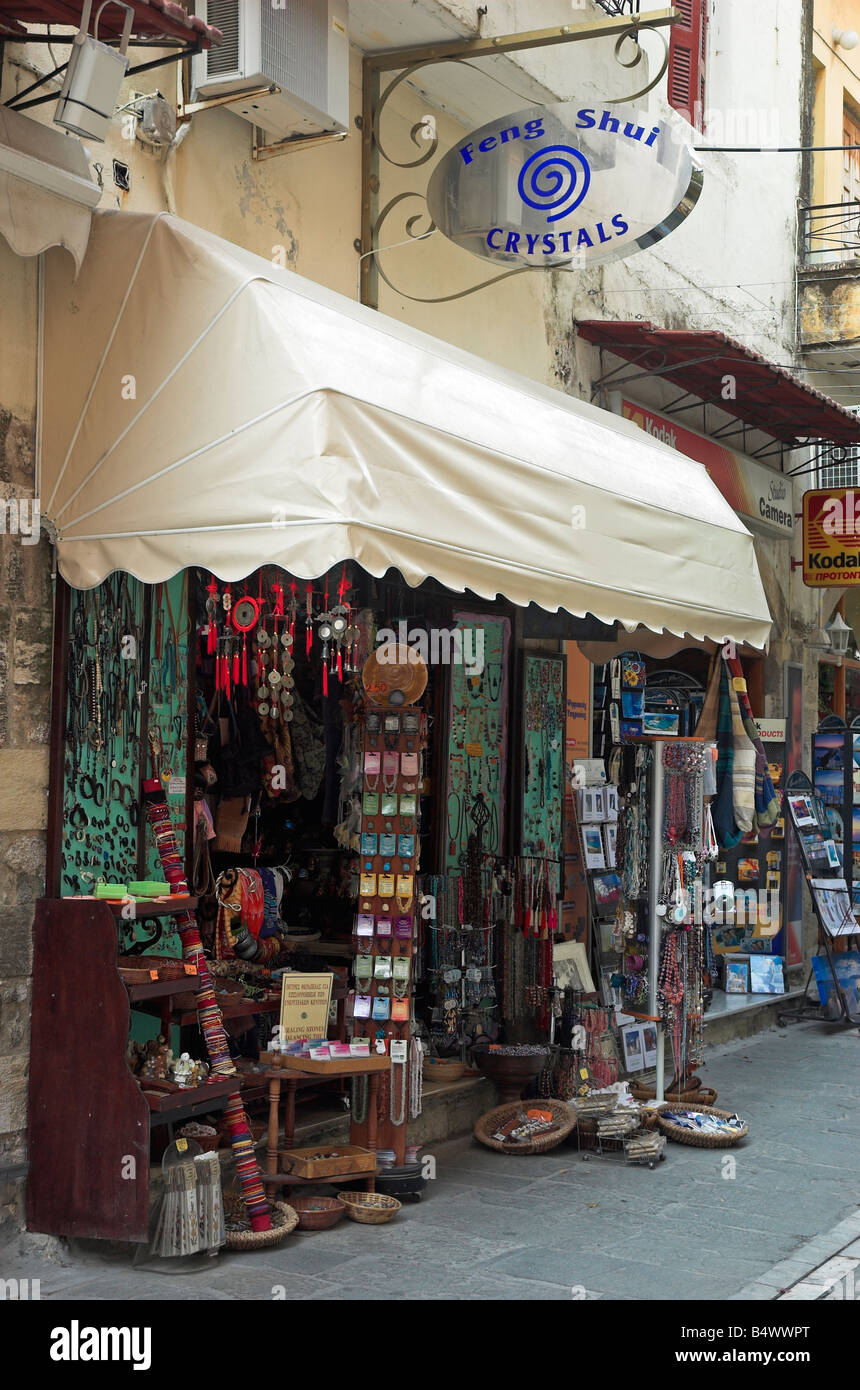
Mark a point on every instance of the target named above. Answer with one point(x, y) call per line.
point(406, 62)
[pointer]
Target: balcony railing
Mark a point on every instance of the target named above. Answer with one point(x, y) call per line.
point(830, 233)
point(616, 8)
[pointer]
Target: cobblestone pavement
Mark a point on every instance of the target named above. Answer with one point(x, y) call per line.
point(775, 1219)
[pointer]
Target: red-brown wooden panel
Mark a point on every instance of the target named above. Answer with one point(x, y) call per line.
point(88, 1122)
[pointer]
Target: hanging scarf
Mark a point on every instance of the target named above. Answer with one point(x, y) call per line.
point(270, 904)
point(767, 804)
point(722, 807)
point(743, 767)
point(252, 900)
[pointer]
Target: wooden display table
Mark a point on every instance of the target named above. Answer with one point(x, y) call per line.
point(290, 1073)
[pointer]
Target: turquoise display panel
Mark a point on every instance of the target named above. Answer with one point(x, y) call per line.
point(478, 739)
point(543, 756)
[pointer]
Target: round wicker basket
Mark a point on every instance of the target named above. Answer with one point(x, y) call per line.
point(699, 1141)
point(239, 1233)
point(699, 1095)
point(440, 1069)
point(370, 1208)
point(318, 1213)
point(563, 1118)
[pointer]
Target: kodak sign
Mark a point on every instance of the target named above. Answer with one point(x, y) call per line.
point(831, 537)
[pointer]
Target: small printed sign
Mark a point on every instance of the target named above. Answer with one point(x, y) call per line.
point(305, 1005)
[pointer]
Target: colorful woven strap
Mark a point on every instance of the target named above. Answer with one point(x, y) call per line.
point(208, 1012)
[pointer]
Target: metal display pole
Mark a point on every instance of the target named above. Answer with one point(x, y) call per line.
point(655, 921)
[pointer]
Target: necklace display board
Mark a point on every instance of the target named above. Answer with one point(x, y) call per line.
point(837, 975)
point(394, 738)
point(105, 710)
point(167, 705)
point(478, 734)
point(543, 756)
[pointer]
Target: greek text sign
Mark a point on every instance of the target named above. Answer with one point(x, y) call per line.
point(304, 1006)
point(565, 184)
point(831, 537)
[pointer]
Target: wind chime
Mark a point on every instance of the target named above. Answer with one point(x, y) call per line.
point(269, 628)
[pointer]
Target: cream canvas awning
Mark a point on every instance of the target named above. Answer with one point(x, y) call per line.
point(46, 193)
point(203, 407)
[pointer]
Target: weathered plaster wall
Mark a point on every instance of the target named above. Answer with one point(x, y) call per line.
point(25, 647)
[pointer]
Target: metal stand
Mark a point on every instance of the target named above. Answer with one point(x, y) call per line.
point(655, 922)
point(807, 1010)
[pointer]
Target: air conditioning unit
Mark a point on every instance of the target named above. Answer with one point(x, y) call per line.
point(299, 49)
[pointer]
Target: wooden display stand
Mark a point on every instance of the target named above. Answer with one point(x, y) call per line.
point(379, 1126)
point(289, 1072)
point(90, 1118)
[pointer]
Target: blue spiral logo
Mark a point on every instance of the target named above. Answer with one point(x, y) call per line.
point(555, 177)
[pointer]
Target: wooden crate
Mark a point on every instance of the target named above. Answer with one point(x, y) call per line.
point(344, 1158)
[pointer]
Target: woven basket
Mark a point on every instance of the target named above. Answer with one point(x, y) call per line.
point(318, 1213)
point(563, 1119)
point(207, 1142)
point(699, 1095)
point(440, 1069)
point(699, 1141)
point(239, 1233)
point(370, 1208)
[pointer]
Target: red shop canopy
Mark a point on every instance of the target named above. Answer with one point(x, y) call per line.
point(769, 398)
point(153, 19)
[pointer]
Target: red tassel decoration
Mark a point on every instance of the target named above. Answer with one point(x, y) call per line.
point(244, 661)
point(339, 666)
point(325, 678)
point(235, 668)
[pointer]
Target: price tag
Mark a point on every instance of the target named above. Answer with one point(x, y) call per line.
point(153, 974)
point(190, 969)
point(181, 1145)
point(176, 786)
point(475, 750)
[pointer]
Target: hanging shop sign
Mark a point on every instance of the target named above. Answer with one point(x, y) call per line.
point(565, 184)
point(758, 494)
point(831, 537)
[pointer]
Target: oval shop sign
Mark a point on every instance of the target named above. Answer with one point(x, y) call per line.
point(560, 184)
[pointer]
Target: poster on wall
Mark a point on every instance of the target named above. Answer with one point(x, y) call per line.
point(478, 741)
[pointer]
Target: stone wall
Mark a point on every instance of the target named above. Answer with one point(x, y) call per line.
point(26, 608)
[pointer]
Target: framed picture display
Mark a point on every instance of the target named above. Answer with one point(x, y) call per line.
point(634, 1047)
point(737, 975)
point(610, 836)
point(592, 839)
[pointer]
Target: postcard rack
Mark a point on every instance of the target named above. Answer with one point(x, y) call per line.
point(830, 895)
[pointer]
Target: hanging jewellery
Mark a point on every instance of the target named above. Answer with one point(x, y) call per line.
point(416, 1077)
point(359, 1099)
point(397, 1100)
point(683, 764)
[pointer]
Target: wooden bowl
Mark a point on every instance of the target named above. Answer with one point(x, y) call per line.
point(318, 1213)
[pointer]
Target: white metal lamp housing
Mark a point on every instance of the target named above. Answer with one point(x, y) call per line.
point(93, 78)
point(838, 631)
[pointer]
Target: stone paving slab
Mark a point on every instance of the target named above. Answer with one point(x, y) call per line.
point(555, 1228)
